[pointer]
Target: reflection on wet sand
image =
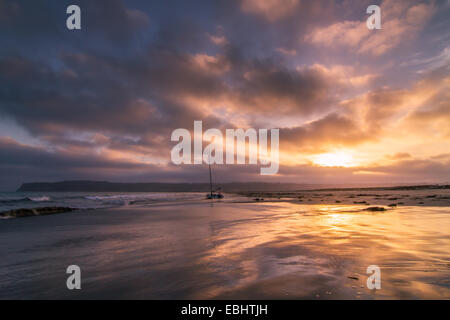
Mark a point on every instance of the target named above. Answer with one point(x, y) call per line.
point(291, 251)
point(231, 250)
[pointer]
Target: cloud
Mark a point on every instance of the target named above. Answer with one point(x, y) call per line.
point(132, 111)
point(9, 10)
point(345, 75)
point(289, 52)
point(219, 38)
point(332, 130)
point(428, 64)
point(433, 121)
point(401, 21)
point(386, 106)
point(16, 154)
point(398, 156)
point(23, 163)
point(377, 116)
point(112, 95)
point(108, 97)
point(426, 169)
point(264, 85)
point(19, 163)
point(347, 33)
point(271, 10)
point(42, 21)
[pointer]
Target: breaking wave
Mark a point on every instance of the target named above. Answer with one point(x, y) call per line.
point(39, 199)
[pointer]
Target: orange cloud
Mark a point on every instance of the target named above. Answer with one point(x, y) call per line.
point(401, 21)
point(272, 10)
point(346, 76)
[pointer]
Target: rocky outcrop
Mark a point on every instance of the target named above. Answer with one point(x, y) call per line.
point(376, 209)
point(25, 212)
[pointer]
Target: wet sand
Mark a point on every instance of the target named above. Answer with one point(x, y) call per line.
point(221, 250)
point(374, 197)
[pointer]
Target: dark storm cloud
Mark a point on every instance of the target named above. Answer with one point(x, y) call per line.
point(265, 85)
point(90, 93)
point(45, 20)
point(145, 92)
point(43, 99)
point(15, 154)
point(113, 19)
point(142, 91)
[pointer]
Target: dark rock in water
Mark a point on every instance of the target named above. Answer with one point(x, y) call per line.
point(359, 202)
point(353, 277)
point(392, 205)
point(375, 209)
point(20, 213)
point(337, 201)
point(393, 199)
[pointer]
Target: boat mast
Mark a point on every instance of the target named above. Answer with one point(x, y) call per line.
point(210, 177)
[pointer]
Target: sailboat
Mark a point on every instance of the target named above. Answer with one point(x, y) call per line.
point(211, 194)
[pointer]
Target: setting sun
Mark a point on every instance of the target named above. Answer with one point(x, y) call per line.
point(336, 159)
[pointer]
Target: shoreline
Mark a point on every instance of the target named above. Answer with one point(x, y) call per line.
point(381, 201)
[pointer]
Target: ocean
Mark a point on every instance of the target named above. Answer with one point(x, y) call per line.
point(89, 200)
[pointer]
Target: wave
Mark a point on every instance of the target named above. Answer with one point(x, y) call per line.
point(90, 200)
point(25, 199)
point(13, 200)
point(112, 200)
point(127, 199)
point(39, 199)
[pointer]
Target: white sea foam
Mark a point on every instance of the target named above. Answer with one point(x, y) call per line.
point(40, 199)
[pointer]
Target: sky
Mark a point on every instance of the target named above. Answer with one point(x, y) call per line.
point(353, 105)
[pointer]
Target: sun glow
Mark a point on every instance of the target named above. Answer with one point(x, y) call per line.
point(336, 159)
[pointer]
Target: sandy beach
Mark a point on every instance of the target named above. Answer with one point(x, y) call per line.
point(282, 249)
